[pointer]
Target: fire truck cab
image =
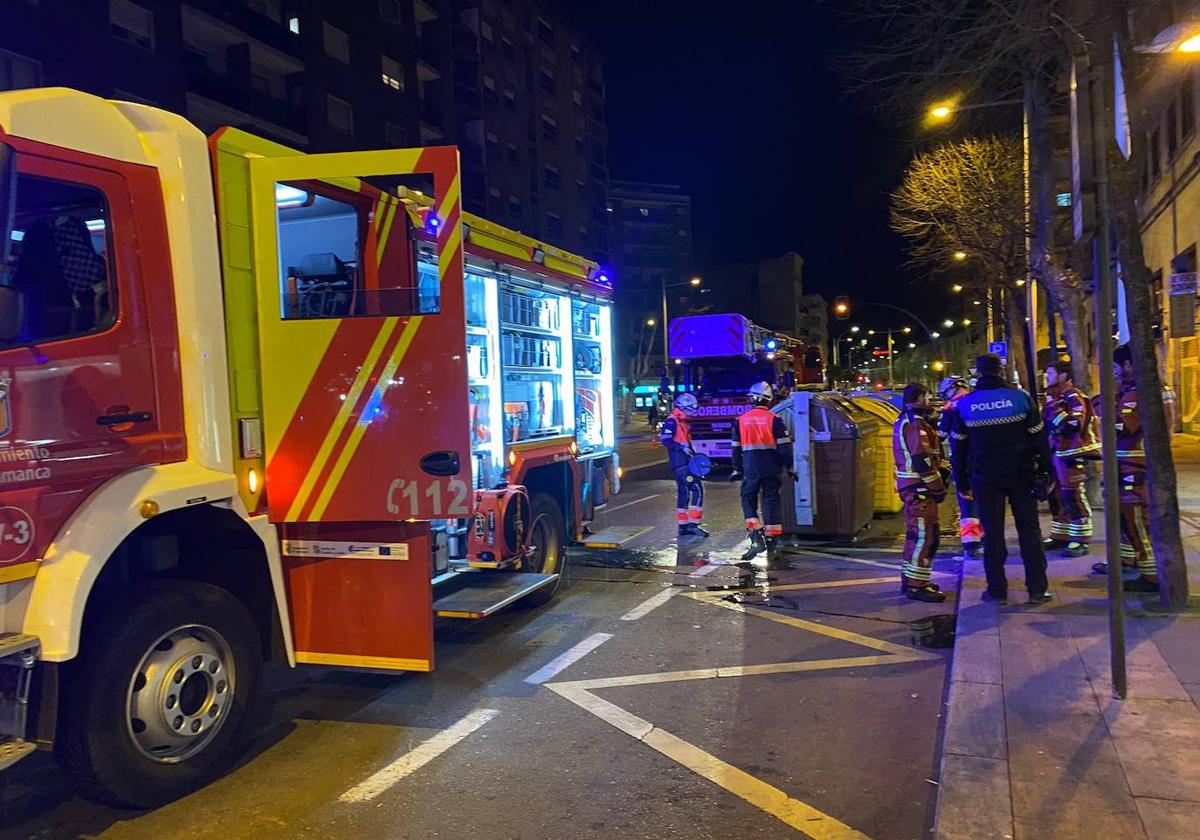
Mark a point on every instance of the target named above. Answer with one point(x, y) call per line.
point(718, 358)
point(257, 404)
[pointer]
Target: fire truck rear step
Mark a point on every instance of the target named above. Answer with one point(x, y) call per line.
point(484, 594)
point(614, 536)
point(18, 653)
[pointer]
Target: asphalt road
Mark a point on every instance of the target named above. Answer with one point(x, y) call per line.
point(650, 700)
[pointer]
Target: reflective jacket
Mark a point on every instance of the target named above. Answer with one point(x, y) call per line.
point(1131, 455)
point(761, 444)
point(677, 438)
point(1070, 422)
point(917, 451)
point(997, 433)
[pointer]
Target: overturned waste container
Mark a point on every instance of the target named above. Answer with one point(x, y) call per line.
point(834, 460)
point(887, 500)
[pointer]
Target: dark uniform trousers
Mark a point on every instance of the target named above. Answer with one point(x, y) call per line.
point(992, 493)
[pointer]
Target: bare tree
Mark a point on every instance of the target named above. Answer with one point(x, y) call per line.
point(966, 199)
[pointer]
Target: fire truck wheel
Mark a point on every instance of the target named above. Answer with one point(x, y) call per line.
point(154, 706)
point(549, 536)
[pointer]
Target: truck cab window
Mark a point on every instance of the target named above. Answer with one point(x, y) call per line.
point(59, 282)
point(345, 254)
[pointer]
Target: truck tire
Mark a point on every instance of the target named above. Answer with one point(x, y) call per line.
point(550, 536)
point(155, 705)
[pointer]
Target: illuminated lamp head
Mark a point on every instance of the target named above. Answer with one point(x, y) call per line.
point(432, 224)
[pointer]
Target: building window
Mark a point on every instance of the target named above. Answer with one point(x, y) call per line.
point(514, 207)
point(577, 98)
point(510, 154)
point(489, 90)
point(494, 192)
point(546, 81)
point(551, 177)
point(293, 24)
point(17, 71)
point(554, 229)
point(485, 31)
point(392, 74)
point(341, 115)
point(506, 45)
point(395, 135)
point(510, 100)
point(576, 55)
point(492, 143)
point(549, 128)
point(389, 10)
point(1172, 130)
point(337, 43)
point(1155, 155)
point(545, 32)
point(1187, 108)
point(132, 23)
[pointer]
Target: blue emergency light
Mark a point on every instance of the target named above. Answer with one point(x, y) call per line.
point(431, 224)
point(771, 344)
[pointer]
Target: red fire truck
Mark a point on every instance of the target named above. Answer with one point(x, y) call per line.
point(257, 404)
point(718, 357)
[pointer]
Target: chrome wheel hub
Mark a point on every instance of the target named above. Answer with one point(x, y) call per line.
point(180, 694)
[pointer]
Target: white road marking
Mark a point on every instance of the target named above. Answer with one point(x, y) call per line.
point(653, 602)
point(634, 502)
point(647, 464)
point(567, 658)
point(706, 569)
point(417, 758)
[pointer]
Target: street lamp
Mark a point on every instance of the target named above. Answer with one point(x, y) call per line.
point(695, 281)
point(855, 329)
point(947, 323)
point(650, 322)
point(960, 255)
point(907, 330)
point(956, 288)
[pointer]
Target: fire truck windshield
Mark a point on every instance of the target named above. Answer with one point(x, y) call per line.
point(734, 375)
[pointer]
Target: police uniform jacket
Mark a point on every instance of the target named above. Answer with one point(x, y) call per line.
point(997, 433)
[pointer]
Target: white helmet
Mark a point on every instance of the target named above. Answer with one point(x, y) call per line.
point(762, 392)
point(686, 403)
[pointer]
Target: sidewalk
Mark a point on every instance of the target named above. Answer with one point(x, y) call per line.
point(1035, 744)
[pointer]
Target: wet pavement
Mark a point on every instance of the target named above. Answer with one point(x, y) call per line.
point(651, 699)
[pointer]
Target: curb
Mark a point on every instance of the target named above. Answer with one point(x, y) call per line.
point(974, 790)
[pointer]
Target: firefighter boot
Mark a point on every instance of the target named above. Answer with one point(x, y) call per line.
point(929, 593)
point(758, 543)
point(774, 558)
point(692, 529)
point(1075, 549)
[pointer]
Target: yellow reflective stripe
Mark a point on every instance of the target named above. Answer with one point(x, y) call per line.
point(339, 422)
point(19, 572)
point(360, 427)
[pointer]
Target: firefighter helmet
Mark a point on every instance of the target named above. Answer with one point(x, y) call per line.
point(762, 392)
point(951, 384)
point(686, 403)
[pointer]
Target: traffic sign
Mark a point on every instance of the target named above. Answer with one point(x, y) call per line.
point(1000, 348)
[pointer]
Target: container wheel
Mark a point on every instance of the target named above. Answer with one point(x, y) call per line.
point(155, 705)
point(548, 535)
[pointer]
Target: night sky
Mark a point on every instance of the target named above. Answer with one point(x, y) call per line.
point(746, 112)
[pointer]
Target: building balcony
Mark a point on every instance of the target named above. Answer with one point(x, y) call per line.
point(235, 94)
point(257, 26)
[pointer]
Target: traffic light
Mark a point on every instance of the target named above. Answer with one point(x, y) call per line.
point(841, 307)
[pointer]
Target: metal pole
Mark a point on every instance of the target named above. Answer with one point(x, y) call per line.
point(891, 367)
point(1105, 294)
point(665, 323)
point(1031, 365)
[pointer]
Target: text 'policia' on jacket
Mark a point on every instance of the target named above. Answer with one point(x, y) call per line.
point(1006, 430)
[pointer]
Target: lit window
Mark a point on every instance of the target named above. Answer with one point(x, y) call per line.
point(132, 23)
point(293, 22)
point(337, 43)
point(393, 74)
point(340, 113)
point(1063, 199)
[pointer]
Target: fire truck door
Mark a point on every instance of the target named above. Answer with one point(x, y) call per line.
point(364, 394)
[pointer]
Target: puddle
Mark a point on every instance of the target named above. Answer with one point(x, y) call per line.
point(933, 631)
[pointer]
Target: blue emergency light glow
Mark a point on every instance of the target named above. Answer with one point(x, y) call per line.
point(431, 223)
point(603, 280)
point(771, 344)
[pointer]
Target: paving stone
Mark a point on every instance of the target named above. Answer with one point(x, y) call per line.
point(976, 721)
point(1106, 826)
point(1194, 690)
point(1169, 819)
point(974, 801)
point(1148, 674)
point(977, 659)
point(975, 617)
point(1044, 745)
point(1074, 799)
point(1179, 641)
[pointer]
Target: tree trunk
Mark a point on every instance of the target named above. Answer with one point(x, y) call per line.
point(1160, 463)
point(1018, 345)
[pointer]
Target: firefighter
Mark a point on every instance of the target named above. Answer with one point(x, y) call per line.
point(1137, 552)
point(1071, 427)
point(921, 482)
point(998, 440)
point(970, 533)
point(762, 450)
point(689, 488)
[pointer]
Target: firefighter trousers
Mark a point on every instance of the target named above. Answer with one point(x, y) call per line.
point(1136, 548)
point(992, 494)
point(689, 497)
point(768, 486)
point(920, 537)
point(1073, 518)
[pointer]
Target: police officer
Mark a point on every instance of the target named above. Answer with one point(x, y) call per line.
point(999, 445)
point(922, 486)
point(689, 488)
point(762, 450)
point(1137, 552)
point(970, 533)
point(1072, 431)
